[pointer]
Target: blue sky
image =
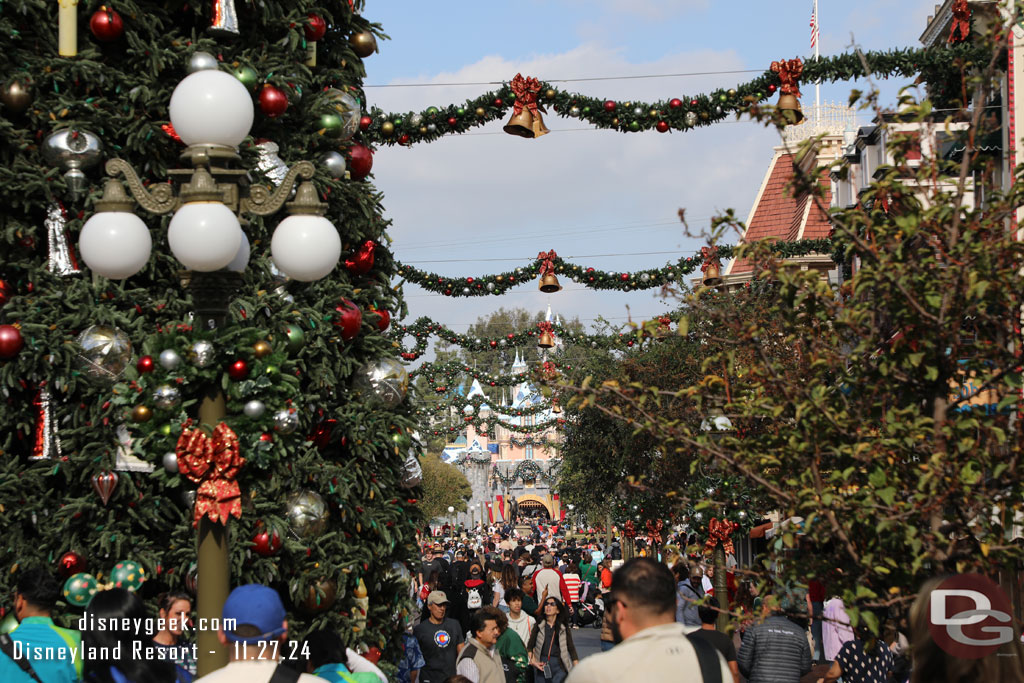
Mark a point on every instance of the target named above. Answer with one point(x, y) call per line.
point(580, 191)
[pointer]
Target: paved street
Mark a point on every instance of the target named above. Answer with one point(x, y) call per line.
point(587, 640)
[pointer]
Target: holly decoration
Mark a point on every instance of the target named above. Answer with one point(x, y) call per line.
point(360, 161)
point(106, 24)
point(273, 101)
point(11, 341)
point(350, 319)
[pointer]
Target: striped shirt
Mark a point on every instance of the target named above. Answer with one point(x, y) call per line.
point(573, 582)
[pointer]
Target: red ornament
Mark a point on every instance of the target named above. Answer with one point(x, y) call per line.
point(661, 126)
point(361, 260)
point(104, 484)
point(609, 106)
point(453, 122)
point(771, 88)
point(675, 103)
point(70, 563)
point(273, 101)
point(238, 370)
point(350, 319)
point(694, 103)
point(365, 122)
point(106, 24)
point(360, 161)
point(266, 544)
point(403, 140)
point(624, 276)
point(145, 364)
point(5, 292)
point(497, 102)
point(315, 28)
point(266, 437)
point(373, 654)
point(383, 318)
point(321, 434)
point(11, 341)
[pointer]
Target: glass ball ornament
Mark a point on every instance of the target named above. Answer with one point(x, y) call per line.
point(166, 397)
point(170, 462)
point(169, 359)
point(412, 472)
point(645, 277)
point(305, 247)
point(202, 354)
point(691, 119)
point(201, 61)
point(204, 236)
point(211, 107)
point(79, 589)
point(431, 128)
point(742, 514)
point(490, 286)
point(416, 119)
point(347, 109)
point(254, 409)
point(334, 163)
point(106, 352)
point(574, 111)
point(128, 574)
point(385, 381)
point(306, 513)
point(286, 421)
point(115, 244)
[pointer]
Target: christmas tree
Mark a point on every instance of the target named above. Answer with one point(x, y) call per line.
point(162, 378)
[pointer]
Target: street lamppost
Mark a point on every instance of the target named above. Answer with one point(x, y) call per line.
point(572, 519)
point(212, 112)
point(451, 515)
point(717, 426)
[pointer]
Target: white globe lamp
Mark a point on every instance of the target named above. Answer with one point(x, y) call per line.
point(211, 108)
point(115, 244)
point(204, 236)
point(241, 260)
point(305, 246)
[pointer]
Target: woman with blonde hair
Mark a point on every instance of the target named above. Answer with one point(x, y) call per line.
point(932, 664)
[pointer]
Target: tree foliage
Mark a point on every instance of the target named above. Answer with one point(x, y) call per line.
point(443, 486)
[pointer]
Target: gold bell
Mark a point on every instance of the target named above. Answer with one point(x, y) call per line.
point(555, 408)
point(789, 108)
point(546, 340)
point(538, 126)
point(521, 124)
point(712, 276)
point(549, 283)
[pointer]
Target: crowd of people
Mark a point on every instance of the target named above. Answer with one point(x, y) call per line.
point(504, 608)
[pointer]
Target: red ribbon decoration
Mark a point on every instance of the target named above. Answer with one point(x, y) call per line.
point(546, 327)
point(961, 27)
point(212, 462)
point(710, 256)
point(547, 262)
point(789, 73)
point(169, 129)
point(361, 261)
point(654, 531)
point(629, 530)
point(526, 90)
point(720, 530)
point(548, 371)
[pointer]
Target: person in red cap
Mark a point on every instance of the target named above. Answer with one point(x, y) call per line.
point(256, 639)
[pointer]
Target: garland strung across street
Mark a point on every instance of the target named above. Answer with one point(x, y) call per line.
point(526, 470)
point(530, 97)
point(588, 276)
point(439, 375)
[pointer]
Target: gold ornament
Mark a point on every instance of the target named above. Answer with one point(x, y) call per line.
point(520, 124)
point(141, 414)
point(16, 97)
point(550, 94)
point(387, 128)
point(615, 121)
point(363, 44)
point(320, 597)
point(789, 109)
point(423, 130)
point(261, 349)
point(500, 278)
point(712, 276)
point(481, 112)
point(549, 283)
point(538, 126)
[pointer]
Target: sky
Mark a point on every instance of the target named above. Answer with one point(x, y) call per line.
point(488, 202)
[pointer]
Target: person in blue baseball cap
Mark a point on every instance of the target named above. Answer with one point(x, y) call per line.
point(257, 638)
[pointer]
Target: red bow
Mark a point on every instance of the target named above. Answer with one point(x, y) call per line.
point(654, 531)
point(212, 462)
point(789, 73)
point(720, 531)
point(547, 260)
point(629, 530)
point(361, 261)
point(525, 90)
point(548, 370)
point(546, 327)
point(710, 256)
point(961, 26)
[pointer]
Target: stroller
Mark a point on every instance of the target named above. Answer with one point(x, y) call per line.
point(591, 607)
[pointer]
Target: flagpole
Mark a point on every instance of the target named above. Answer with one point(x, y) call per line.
point(817, 55)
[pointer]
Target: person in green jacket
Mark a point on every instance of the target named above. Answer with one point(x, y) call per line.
point(510, 646)
point(327, 658)
point(588, 571)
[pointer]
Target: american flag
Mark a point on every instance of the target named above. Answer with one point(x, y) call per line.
point(814, 27)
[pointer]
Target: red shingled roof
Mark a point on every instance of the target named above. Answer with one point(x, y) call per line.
point(780, 216)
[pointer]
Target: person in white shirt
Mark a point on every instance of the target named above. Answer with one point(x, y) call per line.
point(518, 620)
point(259, 639)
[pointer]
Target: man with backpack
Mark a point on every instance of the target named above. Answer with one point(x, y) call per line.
point(34, 598)
point(651, 646)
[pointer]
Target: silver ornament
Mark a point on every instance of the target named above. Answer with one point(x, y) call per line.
point(225, 19)
point(645, 277)
point(334, 163)
point(348, 110)
point(574, 111)
point(74, 151)
point(691, 119)
point(306, 513)
point(202, 354)
point(60, 260)
point(742, 514)
point(169, 359)
point(416, 119)
point(286, 421)
point(698, 516)
point(638, 111)
point(170, 462)
point(106, 352)
point(431, 128)
point(412, 472)
point(270, 163)
point(188, 498)
point(385, 381)
point(166, 397)
point(201, 61)
point(490, 286)
point(254, 409)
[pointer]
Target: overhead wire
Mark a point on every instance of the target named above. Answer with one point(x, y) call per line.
point(570, 80)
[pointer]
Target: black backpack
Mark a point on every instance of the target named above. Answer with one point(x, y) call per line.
point(707, 656)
